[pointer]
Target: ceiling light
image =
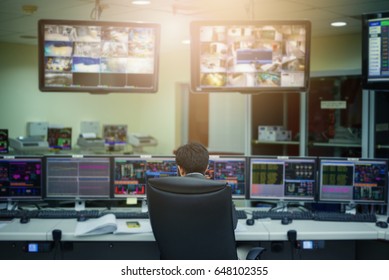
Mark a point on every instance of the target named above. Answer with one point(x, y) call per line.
point(338, 23)
point(141, 2)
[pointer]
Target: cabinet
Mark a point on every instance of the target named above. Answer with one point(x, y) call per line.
point(381, 129)
point(335, 116)
point(275, 109)
point(332, 109)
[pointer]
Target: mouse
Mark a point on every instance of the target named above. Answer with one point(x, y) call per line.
point(381, 224)
point(81, 218)
point(286, 220)
point(24, 220)
point(249, 222)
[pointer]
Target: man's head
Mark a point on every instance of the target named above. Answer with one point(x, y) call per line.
point(192, 157)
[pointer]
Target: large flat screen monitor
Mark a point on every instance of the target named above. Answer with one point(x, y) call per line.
point(250, 56)
point(98, 57)
point(283, 178)
point(78, 177)
point(131, 173)
point(232, 170)
point(375, 51)
point(343, 180)
point(21, 178)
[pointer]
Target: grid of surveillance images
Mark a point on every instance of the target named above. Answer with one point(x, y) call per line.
point(80, 55)
point(252, 55)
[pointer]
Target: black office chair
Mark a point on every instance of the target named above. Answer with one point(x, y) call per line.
point(191, 219)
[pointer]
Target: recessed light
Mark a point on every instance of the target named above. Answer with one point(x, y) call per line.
point(141, 2)
point(338, 23)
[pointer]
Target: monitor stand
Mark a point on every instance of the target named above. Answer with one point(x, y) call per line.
point(79, 205)
point(281, 206)
point(144, 208)
point(11, 205)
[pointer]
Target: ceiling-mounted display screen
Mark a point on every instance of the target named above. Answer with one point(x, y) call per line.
point(375, 51)
point(98, 57)
point(250, 56)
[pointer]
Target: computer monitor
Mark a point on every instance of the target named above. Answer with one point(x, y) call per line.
point(21, 178)
point(129, 177)
point(77, 177)
point(115, 135)
point(230, 169)
point(250, 56)
point(98, 56)
point(375, 51)
point(352, 180)
point(4, 144)
point(283, 178)
point(59, 138)
point(132, 172)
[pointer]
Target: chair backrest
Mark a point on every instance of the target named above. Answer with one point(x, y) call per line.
point(191, 218)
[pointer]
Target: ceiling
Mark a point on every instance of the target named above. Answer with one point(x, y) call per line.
point(18, 26)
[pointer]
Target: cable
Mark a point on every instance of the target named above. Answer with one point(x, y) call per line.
point(97, 10)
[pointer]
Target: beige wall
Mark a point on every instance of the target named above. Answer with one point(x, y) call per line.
point(21, 101)
point(156, 114)
point(338, 53)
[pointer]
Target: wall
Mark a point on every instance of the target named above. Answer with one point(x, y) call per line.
point(336, 54)
point(21, 101)
point(155, 114)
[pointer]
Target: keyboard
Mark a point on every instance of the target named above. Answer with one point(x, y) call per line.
point(345, 217)
point(316, 216)
point(69, 214)
point(296, 215)
point(241, 214)
point(66, 214)
point(8, 214)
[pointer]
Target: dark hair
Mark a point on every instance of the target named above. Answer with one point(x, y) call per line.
point(192, 157)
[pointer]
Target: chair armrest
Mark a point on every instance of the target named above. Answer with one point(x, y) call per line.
point(255, 253)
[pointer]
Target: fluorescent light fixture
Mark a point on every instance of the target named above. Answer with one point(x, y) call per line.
point(338, 23)
point(141, 2)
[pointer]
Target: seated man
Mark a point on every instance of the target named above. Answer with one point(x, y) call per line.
point(192, 160)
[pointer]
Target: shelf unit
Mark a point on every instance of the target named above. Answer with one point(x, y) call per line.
point(315, 127)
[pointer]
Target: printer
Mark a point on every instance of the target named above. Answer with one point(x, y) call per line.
point(90, 142)
point(138, 141)
point(29, 144)
point(34, 142)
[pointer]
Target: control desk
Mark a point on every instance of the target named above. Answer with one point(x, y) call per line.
point(314, 239)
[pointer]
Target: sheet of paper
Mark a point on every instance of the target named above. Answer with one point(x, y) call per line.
point(128, 226)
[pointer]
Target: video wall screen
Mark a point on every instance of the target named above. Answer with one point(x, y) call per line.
point(97, 56)
point(250, 56)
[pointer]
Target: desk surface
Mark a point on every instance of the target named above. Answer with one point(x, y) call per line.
point(262, 230)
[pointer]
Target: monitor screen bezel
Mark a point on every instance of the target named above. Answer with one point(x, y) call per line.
point(237, 158)
point(97, 89)
point(351, 161)
point(281, 159)
point(78, 197)
point(368, 83)
point(42, 178)
point(195, 56)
